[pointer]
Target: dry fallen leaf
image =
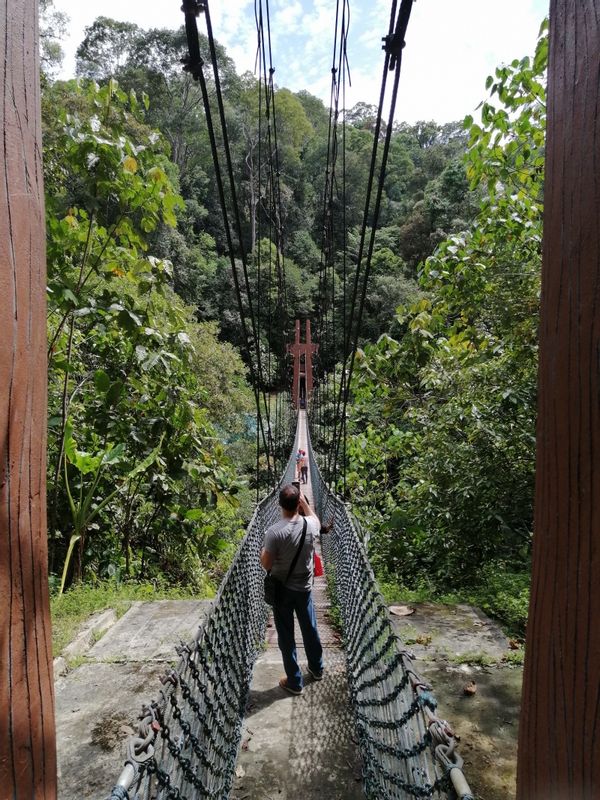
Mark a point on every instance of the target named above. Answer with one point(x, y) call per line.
point(423, 639)
point(514, 644)
point(402, 611)
point(127, 729)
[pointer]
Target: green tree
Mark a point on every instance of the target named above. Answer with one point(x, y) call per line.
point(105, 48)
point(53, 27)
point(128, 367)
point(442, 426)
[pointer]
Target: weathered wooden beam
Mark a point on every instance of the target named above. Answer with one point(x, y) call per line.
point(27, 738)
point(559, 741)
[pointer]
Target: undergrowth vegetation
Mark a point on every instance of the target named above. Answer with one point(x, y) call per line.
point(443, 420)
point(152, 467)
point(72, 608)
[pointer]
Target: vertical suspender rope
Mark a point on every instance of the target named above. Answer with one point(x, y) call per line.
point(258, 227)
point(394, 43)
point(344, 69)
point(343, 391)
point(195, 65)
point(238, 224)
point(327, 274)
point(327, 244)
point(274, 210)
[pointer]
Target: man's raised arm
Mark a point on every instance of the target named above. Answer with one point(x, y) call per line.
point(306, 510)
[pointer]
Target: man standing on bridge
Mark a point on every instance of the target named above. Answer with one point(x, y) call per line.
point(282, 543)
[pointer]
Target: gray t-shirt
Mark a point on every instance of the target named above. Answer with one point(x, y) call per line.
point(282, 540)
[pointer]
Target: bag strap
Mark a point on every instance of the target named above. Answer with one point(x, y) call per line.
point(300, 546)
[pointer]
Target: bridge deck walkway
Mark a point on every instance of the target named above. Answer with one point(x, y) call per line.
point(299, 746)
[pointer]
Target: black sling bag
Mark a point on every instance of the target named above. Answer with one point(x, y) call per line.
point(273, 586)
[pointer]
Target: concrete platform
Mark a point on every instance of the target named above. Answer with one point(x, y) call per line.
point(151, 631)
point(96, 709)
point(450, 631)
point(98, 702)
point(293, 746)
point(455, 645)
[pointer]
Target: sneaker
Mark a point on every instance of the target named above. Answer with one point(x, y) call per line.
point(316, 676)
point(286, 687)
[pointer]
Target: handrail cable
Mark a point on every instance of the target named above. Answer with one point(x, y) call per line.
point(407, 750)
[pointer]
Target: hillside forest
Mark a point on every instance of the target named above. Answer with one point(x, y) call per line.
point(152, 460)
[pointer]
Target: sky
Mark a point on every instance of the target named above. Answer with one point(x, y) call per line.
point(451, 45)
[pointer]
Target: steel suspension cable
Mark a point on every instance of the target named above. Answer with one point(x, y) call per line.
point(345, 237)
point(277, 204)
point(273, 207)
point(191, 9)
point(256, 208)
point(343, 70)
point(325, 231)
point(194, 64)
point(394, 43)
point(267, 406)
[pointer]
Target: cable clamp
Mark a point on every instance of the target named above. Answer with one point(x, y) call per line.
point(195, 7)
point(193, 67)
point(393, 45)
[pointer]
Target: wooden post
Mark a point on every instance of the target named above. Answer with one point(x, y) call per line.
point(559, 741)
point(27, 738)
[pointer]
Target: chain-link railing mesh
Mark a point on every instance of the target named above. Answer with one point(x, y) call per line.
point(407, 750)
point(188, 738)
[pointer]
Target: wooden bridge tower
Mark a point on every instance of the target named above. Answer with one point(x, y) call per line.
point(302, 382)
point(559, 745)
point(27, 734)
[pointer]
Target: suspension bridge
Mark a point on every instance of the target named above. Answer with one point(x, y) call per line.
point(189, 738)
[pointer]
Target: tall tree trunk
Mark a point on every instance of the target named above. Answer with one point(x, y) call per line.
point(559, 742)
point(27, 747)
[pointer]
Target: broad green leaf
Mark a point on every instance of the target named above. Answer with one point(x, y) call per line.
point(101, 380)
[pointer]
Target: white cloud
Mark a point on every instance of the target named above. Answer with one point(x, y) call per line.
point(450, 46)
point(287, 17)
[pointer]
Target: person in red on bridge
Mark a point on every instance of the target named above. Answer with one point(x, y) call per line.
point(303, 464)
